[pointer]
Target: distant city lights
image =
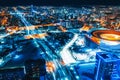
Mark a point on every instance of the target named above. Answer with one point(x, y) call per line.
point(58, 43)
point(110, 42)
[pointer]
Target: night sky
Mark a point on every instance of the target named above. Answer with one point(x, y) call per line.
point(76, 3)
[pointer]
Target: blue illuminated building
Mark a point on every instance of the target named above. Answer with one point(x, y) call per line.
point(107, 66)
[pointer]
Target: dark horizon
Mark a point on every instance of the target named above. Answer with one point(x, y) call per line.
point(73, 3)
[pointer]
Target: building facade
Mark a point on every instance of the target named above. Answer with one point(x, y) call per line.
point(107, 66)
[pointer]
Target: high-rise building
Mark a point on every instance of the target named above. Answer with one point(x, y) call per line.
point(107, 65)
point(35, 69)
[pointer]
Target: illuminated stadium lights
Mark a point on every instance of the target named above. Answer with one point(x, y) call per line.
point(110, 46)
point(110, 42)
point(110, 36)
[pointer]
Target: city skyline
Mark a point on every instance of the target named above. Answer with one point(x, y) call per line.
point(59, 43)
point(74, 3)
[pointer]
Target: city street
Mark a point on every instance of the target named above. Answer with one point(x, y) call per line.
point(68, 39)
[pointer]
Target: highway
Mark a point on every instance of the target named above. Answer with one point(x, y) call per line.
point(43, 44)
point(67, 38)
point(45, 50)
